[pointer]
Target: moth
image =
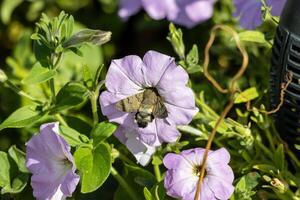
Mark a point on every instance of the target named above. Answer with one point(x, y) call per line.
point(147, 105)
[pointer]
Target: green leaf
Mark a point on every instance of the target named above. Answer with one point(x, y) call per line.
point(17, 185)
point(248, 182)
point(39, 74)
point(94, 166)
point(245, 186)
point(4, 170)
point(141, 176)
point(158, 191)
point(72, 136)
point(279, 159)
point(246, 96)
point(253, 36)
point(147, 194)
point(71, 95)
point(87, 77)
point(42, 53)
point(19, 157)
point(270, 169)
point(192, 57)
point(7, 7)
point(23, 117)
point(102, 131)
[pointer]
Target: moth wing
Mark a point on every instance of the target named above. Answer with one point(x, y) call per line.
point(160, 110)
point(130, 104)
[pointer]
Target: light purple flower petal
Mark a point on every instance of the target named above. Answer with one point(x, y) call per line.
point(199, 11)
point(249, 13)
point(49, 159)
point(220, 188)
point(166, 132)
point(183, 12)
point(125, 76)
point(174, 76)
point(276, 6)
point(191, 12)
point(156, 65)
point(183, 175)
point(180, 105)
point(129, 8)
point(141, 151)
point(156, 9)
point(219, 156)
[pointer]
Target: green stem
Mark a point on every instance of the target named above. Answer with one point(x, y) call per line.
point(157, 173)
point(93, 99)
point(123, 184)
point(53, 66)
point(21, 92)
point(52, 88)
point(270, 138)
point(265, 150)
point(61, 120)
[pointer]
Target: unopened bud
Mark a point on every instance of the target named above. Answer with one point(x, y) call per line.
point(279, 185)
point(176, 38)
point(3, 76)
point(96, 37)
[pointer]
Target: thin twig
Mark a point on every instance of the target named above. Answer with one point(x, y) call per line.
point(284, 86)
point(230, 90)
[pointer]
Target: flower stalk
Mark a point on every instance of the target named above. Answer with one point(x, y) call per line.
point(157, 173)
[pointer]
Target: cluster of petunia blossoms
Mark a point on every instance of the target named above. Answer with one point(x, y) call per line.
point(187, 13)
point(157, 76)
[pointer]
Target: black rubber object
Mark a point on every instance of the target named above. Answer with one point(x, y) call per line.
point(285, 59)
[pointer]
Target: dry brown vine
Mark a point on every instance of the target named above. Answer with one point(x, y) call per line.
point(230, 90)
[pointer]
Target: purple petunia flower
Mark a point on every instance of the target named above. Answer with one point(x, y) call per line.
point(158, 74)
point(183, 12)
point(184, 170)
point(49, 159)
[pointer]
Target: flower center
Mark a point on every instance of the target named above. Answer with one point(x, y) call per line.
point(197, 170)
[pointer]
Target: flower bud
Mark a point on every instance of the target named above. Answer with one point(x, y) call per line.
point(96, 37)
point(3, 76)
point(279, 185)
point(175, 37)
